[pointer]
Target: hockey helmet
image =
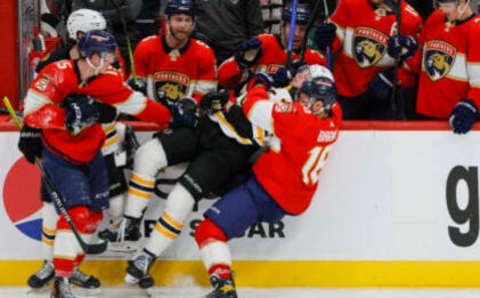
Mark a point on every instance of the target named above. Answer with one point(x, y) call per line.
point(96, 41)
point(84, 20)
point(180, 7)
point(303, 13)
point(320, 87)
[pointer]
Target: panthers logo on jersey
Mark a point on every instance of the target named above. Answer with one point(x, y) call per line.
point(369, 46)
point(170, 84)
point(439, 57)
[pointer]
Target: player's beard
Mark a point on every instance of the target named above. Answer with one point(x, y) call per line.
point(179, 36)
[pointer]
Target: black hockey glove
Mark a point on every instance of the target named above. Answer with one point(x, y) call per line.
point(325, 35)
point(382, 85)
point(213, 102)
point(402, 46)
point(140, 85)
point(463, 116)
point(130, 144)
point(80, 113)
point(249, 53)
point(184, 113)
point(30, 143)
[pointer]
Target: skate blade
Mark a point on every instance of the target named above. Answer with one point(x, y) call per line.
point(126, 247)
point(40, 292)
point(82, 292)
point(130, 280)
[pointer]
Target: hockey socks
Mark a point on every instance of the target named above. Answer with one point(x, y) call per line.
point(179, 206)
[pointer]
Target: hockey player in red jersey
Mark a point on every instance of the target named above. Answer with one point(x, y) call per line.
point(364, 34)
point(175, 66)
point(284, 178)
point(267, 52)
point(449, 65)
point(30, 144)
point(68, 100)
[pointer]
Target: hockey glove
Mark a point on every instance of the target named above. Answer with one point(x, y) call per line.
point(267, 80)
point(463, 116)
point(80, 114)
point(184, 113)
point(213, 102)
point(130, 144)
point(249, 53)
point(401, 46)
point(382, 85)
point(30, 143)
point(325, 35)
point(140, 85)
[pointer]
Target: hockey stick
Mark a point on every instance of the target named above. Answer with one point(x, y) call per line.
point(329, 60)
point(293, 20)
point(93, 249)
point(127, 38)
point(310, 23)
point(398, 16)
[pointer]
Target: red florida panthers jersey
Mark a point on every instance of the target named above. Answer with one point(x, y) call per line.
point(176, 73)
point(273, 57)
point(449, 64)
point(290, 172)
point(58, 80)
point(361, 43)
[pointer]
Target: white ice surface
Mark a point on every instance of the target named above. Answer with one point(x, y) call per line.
point(121, 292)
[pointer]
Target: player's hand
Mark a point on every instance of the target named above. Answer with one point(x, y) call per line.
point(130, 145)
point(30, 143)
point(263, 78)
point(325, 35)
point(184, 113)
point(140, 85)
point(249, 53)
point(463, 116)
point(401, 46)
point(213, 102)
point(382, 85)
point(80, 113)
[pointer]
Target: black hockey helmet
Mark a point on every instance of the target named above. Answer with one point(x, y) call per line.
point(96, 41)
point(303, 13)
point(320, 88)
point(180, 7)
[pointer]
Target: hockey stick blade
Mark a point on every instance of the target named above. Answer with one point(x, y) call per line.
point(96, 248)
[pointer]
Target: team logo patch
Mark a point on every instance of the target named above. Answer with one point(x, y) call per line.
point(439, 57)
point(42, 83)
point(369, 46)
point(173, 85)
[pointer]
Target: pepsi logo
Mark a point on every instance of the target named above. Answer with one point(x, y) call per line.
point(21, 198)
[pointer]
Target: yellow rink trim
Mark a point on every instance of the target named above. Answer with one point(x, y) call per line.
point(281, 273)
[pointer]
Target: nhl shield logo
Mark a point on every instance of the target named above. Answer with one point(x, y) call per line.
point(439, 58)
point(369, 46)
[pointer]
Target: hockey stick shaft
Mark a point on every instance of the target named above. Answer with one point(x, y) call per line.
point(127, 39)
point(96, 248)
point(310, 24)
point(329, 56)
point(393, 97)
point(293, 20)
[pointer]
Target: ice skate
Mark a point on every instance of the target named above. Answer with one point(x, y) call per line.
point(42, 276)
point(62, 288)
point(223, 288)
point(137, 270)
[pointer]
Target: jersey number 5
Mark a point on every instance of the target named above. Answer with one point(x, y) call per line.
point(311, 169)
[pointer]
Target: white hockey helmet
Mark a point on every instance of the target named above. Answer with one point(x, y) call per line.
point(84, 20)
point(317, 70)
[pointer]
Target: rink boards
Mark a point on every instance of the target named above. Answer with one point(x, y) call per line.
point(397, 205)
